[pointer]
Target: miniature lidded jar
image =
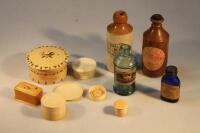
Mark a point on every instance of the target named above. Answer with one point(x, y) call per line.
point(170, 85)
point(155, 48)
point(124, 71)
point(117, 32)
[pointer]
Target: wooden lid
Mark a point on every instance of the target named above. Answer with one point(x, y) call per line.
point(69, 91)
point(52, 100)
point(47, 58)
point(120, 25)
point(28, 88)
point(97, 92)
point(120, 104)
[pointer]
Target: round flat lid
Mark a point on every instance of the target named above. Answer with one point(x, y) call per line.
point(52, 100)
point(70, 91)
point(97, 92)
point(84, 64)
point(47, 58)
point(120, 104)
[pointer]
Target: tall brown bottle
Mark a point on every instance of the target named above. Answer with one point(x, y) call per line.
point(155, 48)
point(118, 32)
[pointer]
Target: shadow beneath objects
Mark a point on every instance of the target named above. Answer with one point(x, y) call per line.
point(108, 83)
point(108, 110)
point(149, 91)
point(88, 45)
point(31, 111)
point(138, 61)
point(15, 66)
point(7, 93)
point(75, 111)
point(85, 95)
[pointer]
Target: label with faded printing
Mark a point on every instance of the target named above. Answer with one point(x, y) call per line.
point(125, 76)
point(153, 58)
point(113, 46)
point(170, 91)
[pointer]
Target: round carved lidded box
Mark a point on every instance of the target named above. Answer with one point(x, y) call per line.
point(47, 64)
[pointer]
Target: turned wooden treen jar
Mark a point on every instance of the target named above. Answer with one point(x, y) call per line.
point(155, 48)
point(118, 32)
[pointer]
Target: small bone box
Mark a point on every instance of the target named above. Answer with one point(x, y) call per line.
point(28, 93)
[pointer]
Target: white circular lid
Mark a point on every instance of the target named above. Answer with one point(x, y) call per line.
point(70, 91)
point(52, 100)
point(84, 64)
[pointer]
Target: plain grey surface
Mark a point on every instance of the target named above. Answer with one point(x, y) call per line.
point(80, 27)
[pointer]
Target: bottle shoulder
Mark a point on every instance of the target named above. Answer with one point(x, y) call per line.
point(156, 35)
point(119, 29)
point(124, 61)
point(171, 80)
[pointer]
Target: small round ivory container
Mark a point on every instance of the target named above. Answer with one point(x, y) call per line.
point(97, 93)
point(120, 108)
point(53, 106)
point(70, 91)
point(84, 68)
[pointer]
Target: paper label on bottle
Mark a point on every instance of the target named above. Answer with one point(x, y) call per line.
point(153, 58)
point(113, 46)
point(125, 76)
point(170, 91)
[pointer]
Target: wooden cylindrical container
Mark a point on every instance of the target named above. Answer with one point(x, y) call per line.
point(118, 32)
point(120, 108)
point(47, 64)
point(53, 106)
point(155, 48)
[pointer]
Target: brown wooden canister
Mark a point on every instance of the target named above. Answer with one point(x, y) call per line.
point(118, 32)
point(155, 48)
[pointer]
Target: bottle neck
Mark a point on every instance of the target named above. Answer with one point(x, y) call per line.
point(125, 50)
point(171, 74)
point(156, 25)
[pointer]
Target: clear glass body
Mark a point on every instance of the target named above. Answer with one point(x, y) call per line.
point(124, 71)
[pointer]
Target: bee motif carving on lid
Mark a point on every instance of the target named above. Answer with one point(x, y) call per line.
point(47, 64)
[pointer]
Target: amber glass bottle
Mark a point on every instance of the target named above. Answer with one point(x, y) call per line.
point(155, 48)
point(118, 32)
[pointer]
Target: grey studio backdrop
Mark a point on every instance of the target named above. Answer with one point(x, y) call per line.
point(80, 27)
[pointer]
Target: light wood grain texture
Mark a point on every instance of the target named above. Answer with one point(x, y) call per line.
point(120, 108)
point(28, 93)
point(53, 106)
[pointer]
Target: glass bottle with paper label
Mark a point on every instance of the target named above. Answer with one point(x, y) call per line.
point(155, 48)
point(117, 32)
point(124, 71)
point(170, 85)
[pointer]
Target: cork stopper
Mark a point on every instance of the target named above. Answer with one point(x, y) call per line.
point(157, 18)
point(120, 17)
